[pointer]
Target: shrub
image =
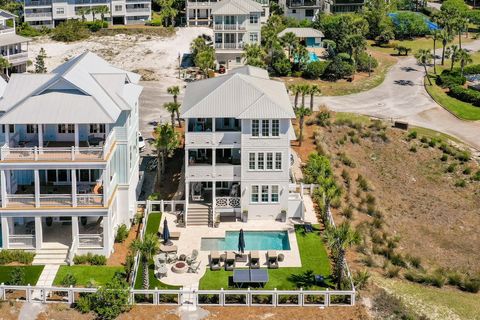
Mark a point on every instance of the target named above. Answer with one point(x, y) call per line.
point(451, 168)
point(465, 95)
point(476, 176)
point(392, 271)
point(397, 260)
point(415, 262)
point(436, 279)
point(412, 135)
point(20, 256)
point(413, 149)
point(26, 30)
point(366, 63)
point(472, 69)
point(282, 67)
point(454, 278)
point(323, 118)
point(463, 156)
point(96, 25)
point(17, 277)
point(360, 278)
point(339, 68)
point(461, 183)
point(450, 79)
point(467, 171)
point(444, 158)
point(471, 285)
point(315, 69)
point(122, 234)
point(92, 259)
point(69, 31)
point(69, 280)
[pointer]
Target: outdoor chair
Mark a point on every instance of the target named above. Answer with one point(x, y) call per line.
point(172, 257)
point(215, 261)
point(193, 258)
point(272, 259)
point(254, 260)
point(193, 268)
point(308, 227)
point(230, 261)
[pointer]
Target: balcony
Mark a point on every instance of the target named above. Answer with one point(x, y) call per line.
point(38, 3)
point(229, 27)
point(54, 200)
point(212, 138)
point(144, 9)
point(38, 14)
point(228, 45)
point(18, 57)
point(303, 3)
point(7, 30)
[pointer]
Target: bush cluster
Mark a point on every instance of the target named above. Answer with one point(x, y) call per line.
point(20, 256)
point(315, 69)
point(449, 79)
point(70, 30)
point(92, 259)
point(122, 234)
point(465, 95)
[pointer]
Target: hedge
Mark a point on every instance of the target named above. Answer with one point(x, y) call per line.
point(449, 79)
point(20, 256)
point(472, 69)
point(465, 95)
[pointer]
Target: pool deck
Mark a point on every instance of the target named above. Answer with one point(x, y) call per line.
point(190, 239)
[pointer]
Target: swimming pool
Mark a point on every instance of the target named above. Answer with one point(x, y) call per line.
point(254, 240)
point(313, 56)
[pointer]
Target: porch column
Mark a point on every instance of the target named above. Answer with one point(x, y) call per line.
point(107, 130)
point(106, 235)
point(73, 178)
point(106, 185)
point(187, 198)
point(38, 233)
point(37, 188)
point(7, 134)
point(40, 136)
point(3, 189)
point(214, 203)
point(77, 138)
point(5, 232)
point(75, 231)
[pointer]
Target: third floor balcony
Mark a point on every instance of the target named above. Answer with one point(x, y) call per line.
point(213, 131)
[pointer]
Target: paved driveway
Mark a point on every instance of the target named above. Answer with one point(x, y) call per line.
point(402, 96)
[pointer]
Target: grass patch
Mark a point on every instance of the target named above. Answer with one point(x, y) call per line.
point(314, 258)
point(432, 134)
point(32, 273)
point(85, 274)
point(462, 110)
point(415, 44)
point(352, 117)
point(153, 222)
point(444, 303)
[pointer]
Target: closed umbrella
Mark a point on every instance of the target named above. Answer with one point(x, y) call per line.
point(166, 232)
point(241, 241)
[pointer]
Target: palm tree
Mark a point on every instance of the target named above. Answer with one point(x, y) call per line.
point(173, 108)
point(423, 57)
point(313, 90)
point(304, 90)
point(174, 91)
point(167, 140)
point(205, 60)
point(436, 36)
point(83, 11)
point(462, 25)
point(295, 90)
point(102, 10)
point(301, 56)
point(4, 65)
point(465, 58)
point(452, 52)
point(290, 41)
point(301, 113)
point(446, 38)
point(147, 248)
point(340, 240)
point(254, 55)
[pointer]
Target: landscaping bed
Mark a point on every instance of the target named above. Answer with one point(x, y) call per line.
point(84, 275)
point(314, 259)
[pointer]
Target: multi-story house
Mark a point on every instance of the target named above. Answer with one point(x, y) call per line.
point(50, 13)
point(237, 148)
point(69, 158)
point(235, 24)
point(308, 9)
point(199, 12)
point(13, 48)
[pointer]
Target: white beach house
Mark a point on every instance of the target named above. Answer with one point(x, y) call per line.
point(69, 158)
point(237, 149)
point(13, 48)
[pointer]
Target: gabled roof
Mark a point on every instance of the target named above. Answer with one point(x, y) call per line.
point(236, 7)
point(7, 15)
point(85, 89)
point(251, 71)
point(303, 33)
point(237, 95)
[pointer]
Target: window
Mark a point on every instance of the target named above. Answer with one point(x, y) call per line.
point(260, 165)
point(294, 11)
point(309, 13)
point(269, 161)
point(274, 194)
point(60, 11)
point(62, 175)
point(118, 8)
point(265, 128)
point(32, 128)
point(97, 128)
point(275, 128)
point(278, 161)
point(238, 59)
point(66, 128)
point(255, 128)
point(11, 128)
point(254, 194)
point(251, 161)
point(254, 37)
point(264, 193)
point(253, 19)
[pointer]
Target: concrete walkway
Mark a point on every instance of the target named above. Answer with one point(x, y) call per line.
point(402, 96)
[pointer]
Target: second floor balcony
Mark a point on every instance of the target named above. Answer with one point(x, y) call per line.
point(303, 3)
point(38, 3)
point(209, 132)
point(221, 162)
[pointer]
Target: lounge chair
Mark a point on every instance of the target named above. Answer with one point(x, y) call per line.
point(172, 257)
point(272, 259)
point(215, 261)
point(171, 248)
point(254, 260)
point(230, 261)
point(193, 258)
point(193, 268)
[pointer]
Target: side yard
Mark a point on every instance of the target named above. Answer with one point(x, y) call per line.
point(31, 274)
point(87, 275)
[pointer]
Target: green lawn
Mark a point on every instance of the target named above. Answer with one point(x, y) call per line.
point(32, 273)
point(314, 258)
point(100, 275)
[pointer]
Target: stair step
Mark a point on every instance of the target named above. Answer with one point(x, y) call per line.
point(49, 261)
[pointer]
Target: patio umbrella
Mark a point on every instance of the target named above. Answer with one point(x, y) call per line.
point(166, 232)
point(241, 241)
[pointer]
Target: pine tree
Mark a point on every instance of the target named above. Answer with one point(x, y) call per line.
point(40, 62)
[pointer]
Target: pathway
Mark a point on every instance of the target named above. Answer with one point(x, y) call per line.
point(402, 96)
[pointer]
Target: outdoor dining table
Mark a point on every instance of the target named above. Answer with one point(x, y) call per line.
point(257, 276)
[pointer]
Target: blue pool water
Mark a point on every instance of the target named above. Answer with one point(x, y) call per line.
point(254, 240)
point(313, 56)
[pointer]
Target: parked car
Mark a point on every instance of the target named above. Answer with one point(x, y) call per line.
point(141, 142)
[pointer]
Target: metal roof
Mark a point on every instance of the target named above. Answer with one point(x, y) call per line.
point(237, 95)
point(7, 15)
point(251, 71)
point(12, 38)
point(303, 32)
point(85, 89)
point(236, 7)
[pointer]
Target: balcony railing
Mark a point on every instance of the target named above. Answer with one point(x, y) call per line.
point(227, 202)
point(53, 200)
point(7, 31)
point(18, 56)
point(145, 9)
point(213, 138)
point(90, 240)
point(37, 14)
point(38, 3)
point(23, 241)
point(89, 200)
point(21, 200)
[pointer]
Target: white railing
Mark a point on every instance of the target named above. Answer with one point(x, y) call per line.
point(89, 200)
point(90, 241)
point(213, 138)
point(18, 56)
point(220, 298)
point(55, 200)
point(138, 9)
point(21, 200)
point(21, 241)
point(113, 185)
point(7, 30)
point(38, 14)
point(48, 153)
point(71, 251)
point(228, 45)
point(227, 202)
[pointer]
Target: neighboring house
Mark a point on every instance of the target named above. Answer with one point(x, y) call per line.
point(50, 13)
point(308, 9)
point(309, 37)
point(199, 12)
point(69, 158)
point(235, 24)
point(237, 148)
point(13, 47)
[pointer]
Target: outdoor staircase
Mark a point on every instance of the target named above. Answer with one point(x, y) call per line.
point(199, 215)
point(51, 253)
